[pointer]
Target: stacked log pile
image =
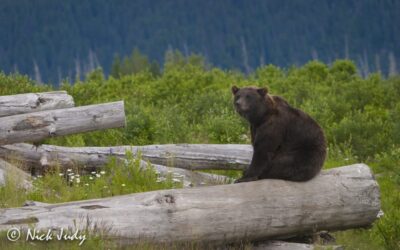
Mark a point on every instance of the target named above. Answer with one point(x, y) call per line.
point(337, 199)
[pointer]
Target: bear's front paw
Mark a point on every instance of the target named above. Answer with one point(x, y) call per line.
point(246, 179)
point(238, 181)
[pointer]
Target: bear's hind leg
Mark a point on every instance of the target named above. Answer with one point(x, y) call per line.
point(290, 167)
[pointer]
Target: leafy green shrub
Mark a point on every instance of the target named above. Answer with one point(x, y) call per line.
point(368, 131)
point(18, 84)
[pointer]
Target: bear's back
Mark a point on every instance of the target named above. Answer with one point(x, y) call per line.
point(300, 129)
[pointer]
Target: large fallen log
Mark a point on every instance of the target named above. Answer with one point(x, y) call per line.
point(187, 156)
point(340, 198)
point(43, 157)
point(40, 125)
point(34, 102)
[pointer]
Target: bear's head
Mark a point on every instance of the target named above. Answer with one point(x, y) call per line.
point(252, 103)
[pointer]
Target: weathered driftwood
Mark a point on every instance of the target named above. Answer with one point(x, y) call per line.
point(198, 156)
point(34, 102)
point(187, 156)
point(9, 171)
point(46, 156)
point(340, 198)
point(40, 125)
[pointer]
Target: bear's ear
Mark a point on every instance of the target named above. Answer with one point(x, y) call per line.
point(262, 91)
point(234, 89)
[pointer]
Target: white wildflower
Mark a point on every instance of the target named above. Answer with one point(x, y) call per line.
point(160, 179)
point(78, 180)
point(91, 178)
point(244, 137)
point(98, 175)
point(102, 172)
point(123, 185)
point(61, 174)
point(176, 180)
point(69, 170)
point(93, 172)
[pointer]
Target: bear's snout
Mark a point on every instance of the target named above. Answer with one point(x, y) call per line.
point(239, 104)
point(241, 107)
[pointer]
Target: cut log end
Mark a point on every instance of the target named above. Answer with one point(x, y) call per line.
point(11, 172)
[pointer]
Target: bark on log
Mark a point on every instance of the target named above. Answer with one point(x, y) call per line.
point(7, 170)
point(186, 156)
point(46, 156)
point(34, 102)
point(340, 198)
point(40, 125)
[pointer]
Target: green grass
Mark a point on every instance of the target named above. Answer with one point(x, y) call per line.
point(116, 178)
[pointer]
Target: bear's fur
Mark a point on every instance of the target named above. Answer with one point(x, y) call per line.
point(288, 144)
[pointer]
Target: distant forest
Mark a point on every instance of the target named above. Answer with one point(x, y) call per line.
point(51, 40)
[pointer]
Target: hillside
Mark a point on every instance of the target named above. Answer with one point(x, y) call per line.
point(51, 40)
point(190, 104)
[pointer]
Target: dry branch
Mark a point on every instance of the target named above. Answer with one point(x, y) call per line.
point(40, 125)
point(187, 156)
point(340, 198)
point(34, 102)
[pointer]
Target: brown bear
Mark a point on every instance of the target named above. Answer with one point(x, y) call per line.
point(287, 143)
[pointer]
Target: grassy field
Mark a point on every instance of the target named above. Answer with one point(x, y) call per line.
point(191, 103)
